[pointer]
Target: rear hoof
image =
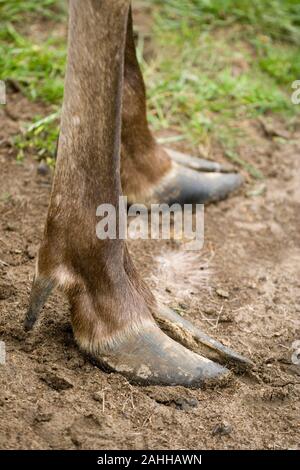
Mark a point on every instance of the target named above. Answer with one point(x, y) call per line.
point(186, 186)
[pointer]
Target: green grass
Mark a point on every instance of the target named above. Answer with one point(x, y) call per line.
point(38, 68)
point(218, 62)
point(281, 62)
point(278, 19)
point(14, 10)
point(215, 63)
point(40, 137)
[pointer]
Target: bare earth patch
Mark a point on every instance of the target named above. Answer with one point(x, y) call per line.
point(243, 289)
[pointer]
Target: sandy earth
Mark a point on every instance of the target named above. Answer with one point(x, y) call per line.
point(243, 288)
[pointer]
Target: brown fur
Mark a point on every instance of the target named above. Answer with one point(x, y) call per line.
point(107, 297)
point(143, 161)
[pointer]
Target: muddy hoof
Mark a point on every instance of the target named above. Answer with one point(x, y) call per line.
point(150, 357)
point(186, 186)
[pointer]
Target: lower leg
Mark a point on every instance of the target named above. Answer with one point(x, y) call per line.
point(94, 273)
point(111, 307)
point(143, 161)
point(150, 173)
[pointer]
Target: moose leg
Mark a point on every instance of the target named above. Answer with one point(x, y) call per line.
point(151, 173)
point(111, 308)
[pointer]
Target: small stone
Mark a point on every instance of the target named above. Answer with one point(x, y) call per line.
point(183, 306)
point(42, 168)
point(186, 404)
point(222, 429)
point(9, 228)
point(209, 310)
point(98, 396)
point(43, 417)
point(252, 285)
point(223, 293)
point(31, 251)
point(226, 318)
point(55, 382)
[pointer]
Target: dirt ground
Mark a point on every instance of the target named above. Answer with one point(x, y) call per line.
point(243, 289)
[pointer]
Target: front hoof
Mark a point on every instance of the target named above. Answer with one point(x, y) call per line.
point(150, 357)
